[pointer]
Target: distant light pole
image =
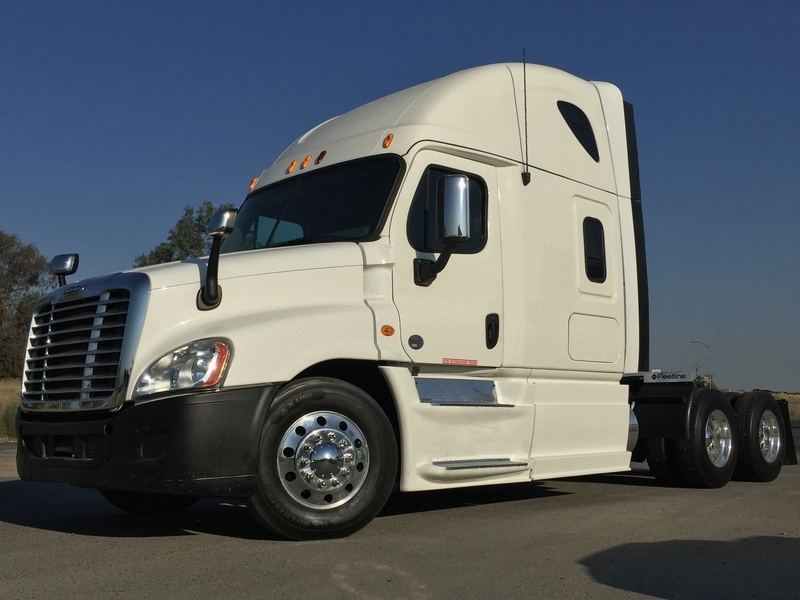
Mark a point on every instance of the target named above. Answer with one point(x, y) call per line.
point(709, 359)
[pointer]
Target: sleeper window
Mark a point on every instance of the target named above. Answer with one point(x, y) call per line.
point(594, 248)
point(581, 128)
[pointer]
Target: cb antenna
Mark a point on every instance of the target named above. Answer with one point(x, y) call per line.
point(526, 174)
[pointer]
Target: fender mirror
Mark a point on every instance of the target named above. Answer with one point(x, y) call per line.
point(63, 265)
point(220, 226)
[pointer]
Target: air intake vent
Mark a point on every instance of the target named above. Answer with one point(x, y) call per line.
point(74, 352)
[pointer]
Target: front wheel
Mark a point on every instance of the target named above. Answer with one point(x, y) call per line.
point(327, 461)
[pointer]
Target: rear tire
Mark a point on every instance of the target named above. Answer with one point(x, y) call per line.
point(708, 457)
point(144, 503)
point(761, 435)
point(327, 461)
point(662, 458)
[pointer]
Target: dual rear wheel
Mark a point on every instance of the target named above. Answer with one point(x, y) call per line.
point(746, 441)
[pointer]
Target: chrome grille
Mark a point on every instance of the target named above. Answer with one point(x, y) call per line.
point(74, 351)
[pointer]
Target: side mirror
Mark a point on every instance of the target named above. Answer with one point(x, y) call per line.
point(220, 226)
point(452, 225)
point(63, 265)
point(221, 223)
point(452, 209)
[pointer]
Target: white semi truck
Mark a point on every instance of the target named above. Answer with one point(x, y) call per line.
point(445, 287)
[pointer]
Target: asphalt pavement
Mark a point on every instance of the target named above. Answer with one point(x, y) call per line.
point(605, 536)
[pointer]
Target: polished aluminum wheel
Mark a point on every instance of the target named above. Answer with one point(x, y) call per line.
point(769, 436)
point(323, 460)
point(719, 438)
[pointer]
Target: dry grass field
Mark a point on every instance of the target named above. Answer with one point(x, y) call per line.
point(794, 404)
point(9, 398)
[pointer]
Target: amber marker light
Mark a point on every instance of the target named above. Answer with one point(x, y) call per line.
point(306, 162)
point(321, 157)
point(387, 330)
point(292, 167)
point(387, 141)
point(252, 184)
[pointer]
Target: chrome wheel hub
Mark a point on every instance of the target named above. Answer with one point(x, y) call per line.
point(719, 438)
point(323, 460)
point(769, 436)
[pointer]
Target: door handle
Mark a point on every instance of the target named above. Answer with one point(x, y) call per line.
point(492, 330)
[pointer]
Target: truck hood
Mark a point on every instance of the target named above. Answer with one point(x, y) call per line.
point(255, 262)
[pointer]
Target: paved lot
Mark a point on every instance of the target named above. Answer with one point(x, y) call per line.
point(618, 536)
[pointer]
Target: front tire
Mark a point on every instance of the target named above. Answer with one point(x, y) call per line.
point(762, 437)
point(327, 461)
point(708, 457)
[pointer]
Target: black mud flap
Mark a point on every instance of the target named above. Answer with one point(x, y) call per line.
point(791, 454)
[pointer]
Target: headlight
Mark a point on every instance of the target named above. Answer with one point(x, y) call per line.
point(201, 364)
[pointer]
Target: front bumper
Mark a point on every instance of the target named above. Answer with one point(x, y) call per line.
point(201, 444)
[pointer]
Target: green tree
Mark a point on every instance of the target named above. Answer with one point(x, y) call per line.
point(24, 278)
point(186, 239)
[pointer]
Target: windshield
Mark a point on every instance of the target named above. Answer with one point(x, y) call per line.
point(345, 202)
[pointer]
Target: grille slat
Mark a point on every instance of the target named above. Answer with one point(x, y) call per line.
point(74, 341)
point(75, 348)
point(79, 353)
point(74, 333)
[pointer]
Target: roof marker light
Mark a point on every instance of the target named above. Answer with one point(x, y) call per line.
point(320, 157)
point(306, 161)
point(387, 330)
point(291, 167)
point(387, 141)
point(252, 184)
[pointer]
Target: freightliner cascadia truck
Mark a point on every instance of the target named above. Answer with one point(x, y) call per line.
point(445, 287)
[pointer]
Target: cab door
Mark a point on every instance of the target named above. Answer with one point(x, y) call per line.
point(456, 319)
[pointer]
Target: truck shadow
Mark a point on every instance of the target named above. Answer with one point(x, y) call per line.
point(758, 567)
point(416, 502)
point(66, 509)
point(78, 511)
point(639, 476)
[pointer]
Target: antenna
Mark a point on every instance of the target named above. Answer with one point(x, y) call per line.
point(526, 174)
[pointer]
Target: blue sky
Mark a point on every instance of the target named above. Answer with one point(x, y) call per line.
point(116, 115)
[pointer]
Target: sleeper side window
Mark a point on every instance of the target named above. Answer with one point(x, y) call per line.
point(581, 128)
point(421, 226)
point(594, 248)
